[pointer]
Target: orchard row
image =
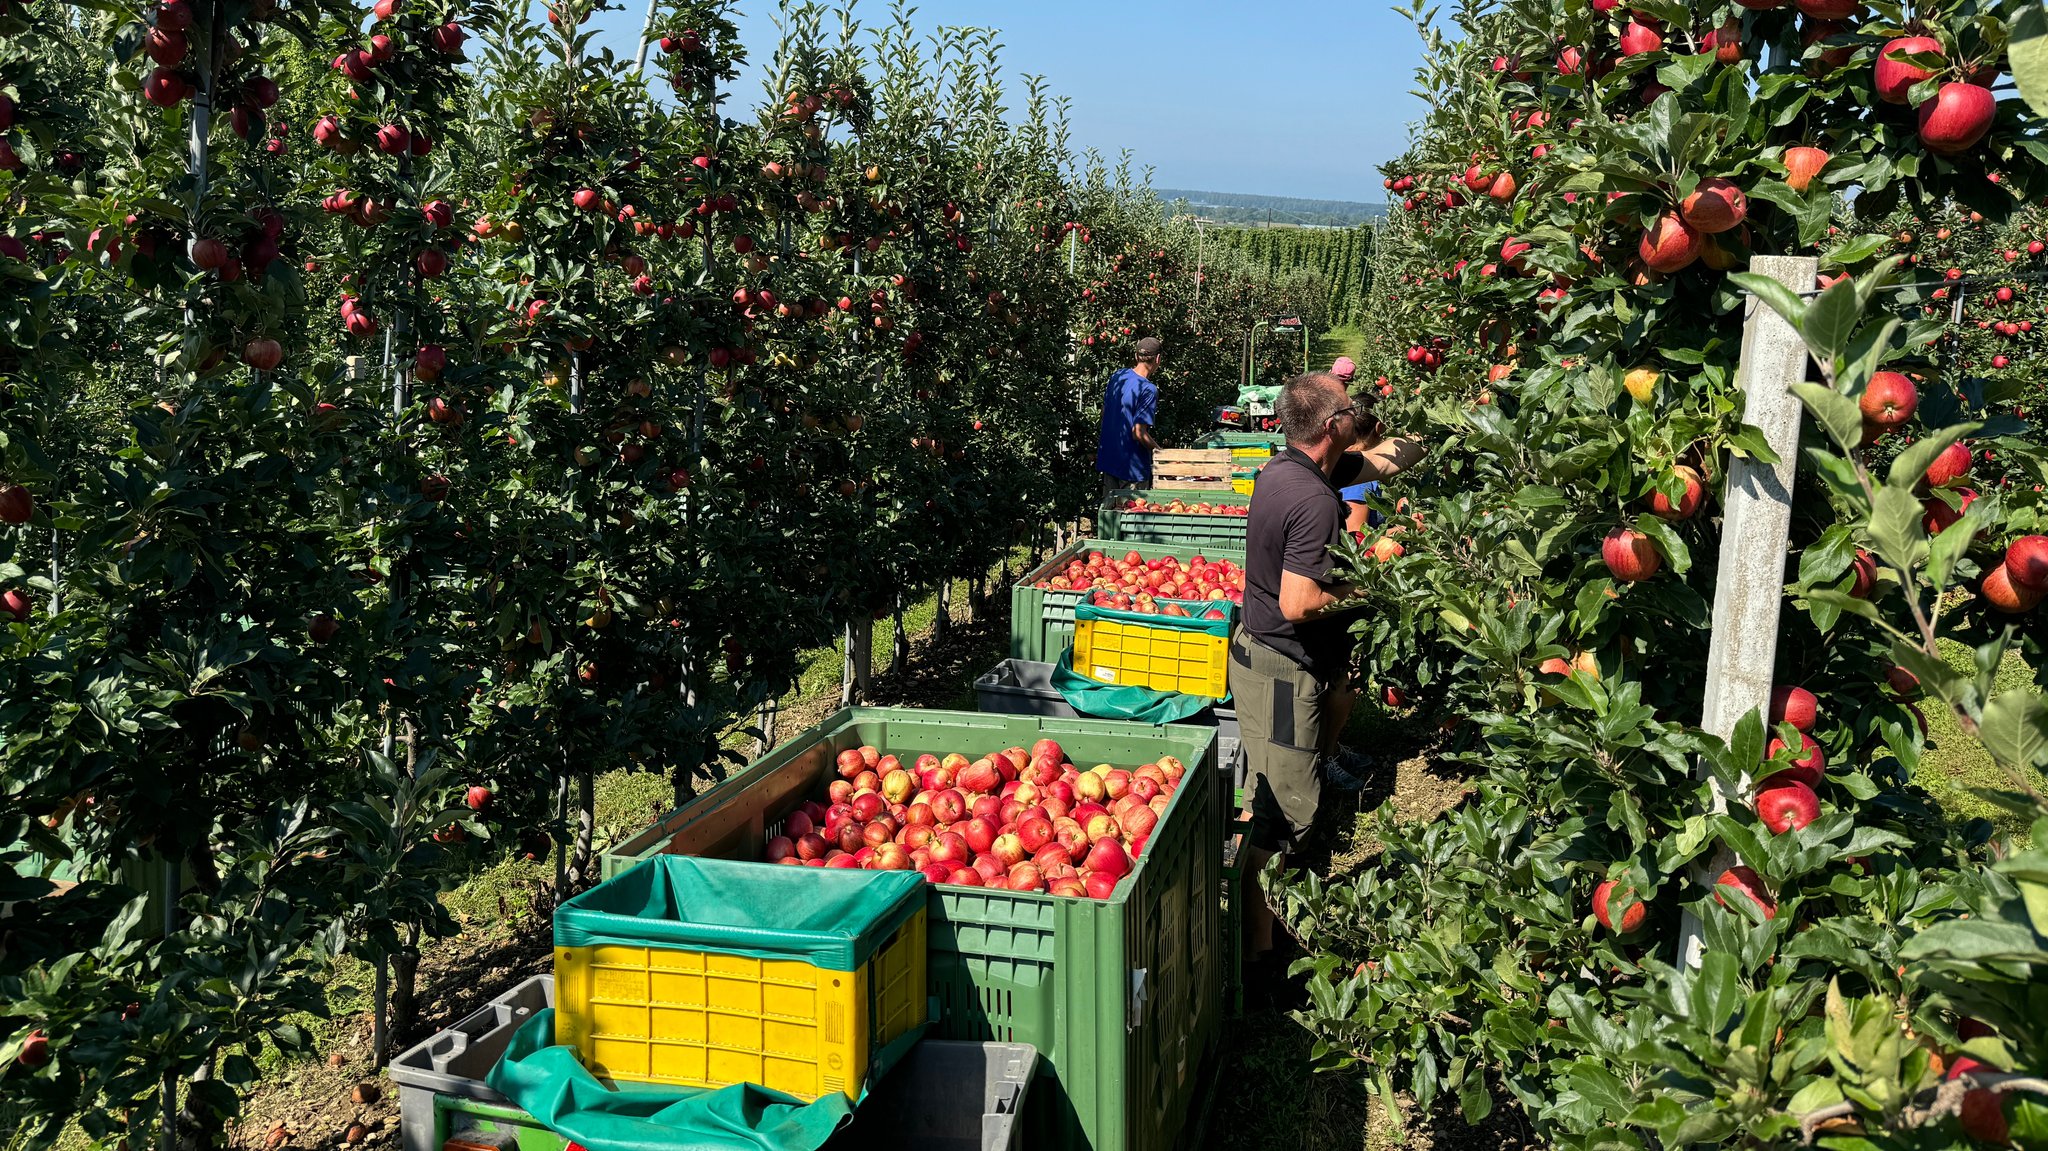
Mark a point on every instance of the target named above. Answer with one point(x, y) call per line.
point(407, 412)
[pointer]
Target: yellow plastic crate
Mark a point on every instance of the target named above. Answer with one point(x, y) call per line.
point(1256, 454)
point(1243, 487)
point(707, 1019)
point(1161, 658)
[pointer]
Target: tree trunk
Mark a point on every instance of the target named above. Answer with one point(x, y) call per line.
point(405, 970)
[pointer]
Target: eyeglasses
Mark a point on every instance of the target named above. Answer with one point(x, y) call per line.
point(1350, 411)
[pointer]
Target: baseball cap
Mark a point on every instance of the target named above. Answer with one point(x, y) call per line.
point(1344, 369)
point(1148, 348)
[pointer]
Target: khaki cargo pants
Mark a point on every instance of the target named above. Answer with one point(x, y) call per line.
point(1283, 713)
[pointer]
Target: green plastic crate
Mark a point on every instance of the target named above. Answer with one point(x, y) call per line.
point(1184, 528)
point(1042, 620)
point(1230, 439)
point(1121, 997)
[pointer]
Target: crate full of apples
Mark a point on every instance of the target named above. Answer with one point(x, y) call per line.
point(1183, 506)
point(1013, 820)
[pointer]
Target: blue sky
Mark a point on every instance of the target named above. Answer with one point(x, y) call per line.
point(1285, 100)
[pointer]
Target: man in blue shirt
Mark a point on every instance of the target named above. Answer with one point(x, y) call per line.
point(1130, 406)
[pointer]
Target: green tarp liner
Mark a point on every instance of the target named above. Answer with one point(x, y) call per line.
point(1113, 701)
point(834, 918)
point(547, 1082)
point(1193, 621)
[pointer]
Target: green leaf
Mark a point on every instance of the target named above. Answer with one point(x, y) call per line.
point(1667, 541)
point(1749, 441)
point(1474, 1100)
point(1911, 465)
point(2015, 729)
point(1895, 528)
point(1780, 298)
point(1746, 747)
point(1838, 414)
point(1717, 993)
point(1951, 544)
point(1841, 601)
point(1831, 322)
point(1827, 558)
point(2027, 56)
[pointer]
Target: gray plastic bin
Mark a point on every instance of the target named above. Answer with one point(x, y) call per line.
point(946, 1095)
point(440, 1081)
point(1024, 687)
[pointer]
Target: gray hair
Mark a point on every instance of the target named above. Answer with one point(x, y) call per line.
point(1305, 402)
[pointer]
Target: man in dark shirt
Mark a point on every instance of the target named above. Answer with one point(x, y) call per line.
point(1290, 657)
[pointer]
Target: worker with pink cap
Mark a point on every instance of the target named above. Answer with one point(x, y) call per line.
point(1344, 370)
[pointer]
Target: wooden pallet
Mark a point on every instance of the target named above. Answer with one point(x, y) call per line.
point(1192, 469)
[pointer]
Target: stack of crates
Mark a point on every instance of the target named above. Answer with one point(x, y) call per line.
point(1249, 452)
point(1121, 997)
point(704, 973)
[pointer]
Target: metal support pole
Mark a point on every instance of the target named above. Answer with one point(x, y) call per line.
point(899, 640)
point(1750, 581)
point(846, 696)
point(646, 38)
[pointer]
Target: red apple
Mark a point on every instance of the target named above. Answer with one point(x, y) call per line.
point(17, 506)
point(1895, 78)
point(1108, 856)
point(477, 797)
point(1631, 919)
point(1008, 849)
point(1630, 555)
point(1048, 749)
point(779, 849)
point(1956, 118)
point(1787, 806)
point(1951, 465)
point(1688, 504)
point(979, 777)
point(2008, 595)
point(1025, 877)
point(1071, 836)
point(1802, 164)
point(1669, 244)
point(1794, 705)
point(1715, 206)
point(1746, 881)
point(2026, 562)
point(1035, 833)
point(849, 763)
point(1812, 760)
point(980, 835)
point(1889, 399)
